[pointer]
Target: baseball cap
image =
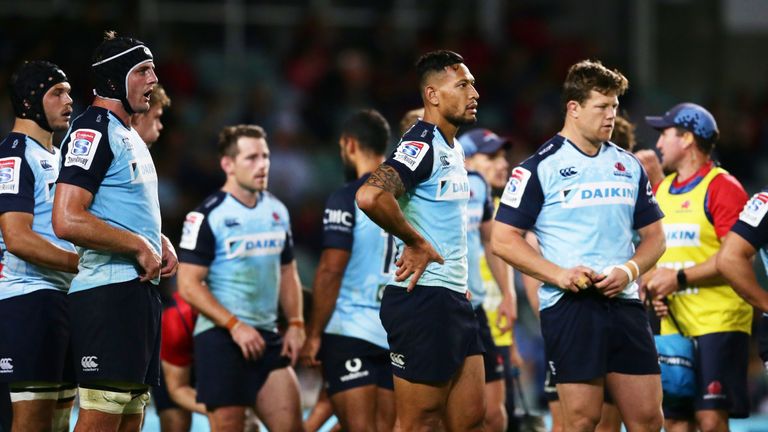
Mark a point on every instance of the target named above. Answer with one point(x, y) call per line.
point(482, 141)
point(689, 116)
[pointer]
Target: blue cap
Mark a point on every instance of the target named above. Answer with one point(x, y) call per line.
point(482, 141)
point(689, 116)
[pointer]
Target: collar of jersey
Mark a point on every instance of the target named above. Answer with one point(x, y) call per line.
point(33, 140)
point(566, 140)
point(110, 114)
point(688, 184)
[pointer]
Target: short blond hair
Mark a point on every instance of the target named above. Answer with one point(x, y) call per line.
point(159, 97)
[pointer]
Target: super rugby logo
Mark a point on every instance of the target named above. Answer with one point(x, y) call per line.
point(410, 153)
point(452, 188)
point(682, 235)
point(82, 148)
point(191, 230)
point(9, 175)
point(513, 192)
point(755, 209)
point(270, 243)
point(597, 194)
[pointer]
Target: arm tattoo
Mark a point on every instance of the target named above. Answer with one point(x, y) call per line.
point(387, 178)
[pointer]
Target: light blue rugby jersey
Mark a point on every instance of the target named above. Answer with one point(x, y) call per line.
point(243, 248)
point(371, 263)
point(435, 201)
point(109, 159)
point(28, 174)
point(583, 209)
point(479, 210)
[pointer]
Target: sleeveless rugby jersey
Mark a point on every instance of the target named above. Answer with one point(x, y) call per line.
point(691, 240)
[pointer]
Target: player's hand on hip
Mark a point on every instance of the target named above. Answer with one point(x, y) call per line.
point(308, 354)
point(577, 278)
point(170, 261)
point(414, 260)
point(292, 342)
point(613, 283)
point(149, 261)
point(662, 282)
point(249, 340)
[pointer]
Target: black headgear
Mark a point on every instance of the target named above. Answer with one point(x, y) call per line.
point(29, 84)
point(113, 61)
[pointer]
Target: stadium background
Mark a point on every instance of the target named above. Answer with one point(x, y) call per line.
point(297, 68)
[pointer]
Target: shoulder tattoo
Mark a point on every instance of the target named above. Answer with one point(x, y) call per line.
point(387, 178)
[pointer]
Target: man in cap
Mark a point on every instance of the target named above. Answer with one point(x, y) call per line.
point(701, 202)
point(486, 162)
point(37, 266)
point(107, 205)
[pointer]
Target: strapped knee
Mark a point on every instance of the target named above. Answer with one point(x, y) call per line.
point(114, 402)
point(33, 391)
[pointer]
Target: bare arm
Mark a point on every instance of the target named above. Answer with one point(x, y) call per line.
point(325, 292)
point(531, 284)
point(291, 302)
point(651, 248)
point(177, 381)
point(502, 273)
point(378, 199)
point(73, 222)
point(192, 288)
point(734, 261)
point(508, 243)
point(31, 247)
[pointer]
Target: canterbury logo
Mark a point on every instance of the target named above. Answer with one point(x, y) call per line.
point(89, 362)
point(397, 359)
point(568, 172)
point(6, 365)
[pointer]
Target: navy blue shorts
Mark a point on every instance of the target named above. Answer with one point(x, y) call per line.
point(35, 338)
point(431, 331)
point(161, 397)
point(351, 362)
point(588, 335)
point(492, 358)
point(721, 377)
point(116, 333)
point(224, 377)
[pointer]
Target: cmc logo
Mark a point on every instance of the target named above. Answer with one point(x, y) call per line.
point(397, 360)
point(89, 362)
point(337, 217)
point(6, 365)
